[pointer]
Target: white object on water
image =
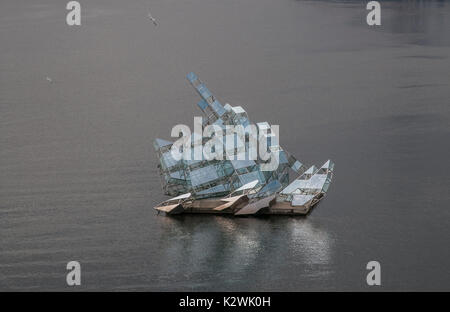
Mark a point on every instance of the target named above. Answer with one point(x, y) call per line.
point(152, 19)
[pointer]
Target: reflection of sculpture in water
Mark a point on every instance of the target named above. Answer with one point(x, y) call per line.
point(192, 245)
point(310, 242)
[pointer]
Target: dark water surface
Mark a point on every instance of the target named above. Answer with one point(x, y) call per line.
point(78, 175)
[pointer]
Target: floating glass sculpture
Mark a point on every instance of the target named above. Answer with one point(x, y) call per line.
point(232, 186)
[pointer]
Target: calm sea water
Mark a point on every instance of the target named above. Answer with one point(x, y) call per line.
point(78, 175)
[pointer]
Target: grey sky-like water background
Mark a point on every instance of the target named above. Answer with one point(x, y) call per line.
point(78, 176)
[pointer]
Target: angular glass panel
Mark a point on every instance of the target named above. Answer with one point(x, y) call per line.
point(238, 164)
point(300, 200)
point(168, 160)
point(218, 108)
point(203, 175)
point(202, 104)
point(215, 189)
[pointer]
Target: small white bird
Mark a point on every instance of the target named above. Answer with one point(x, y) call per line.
point(49, 79)
point(152, 19)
